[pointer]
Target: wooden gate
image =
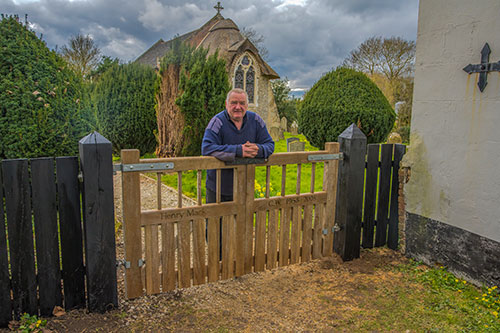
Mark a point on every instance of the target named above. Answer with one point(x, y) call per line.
point(181, 245)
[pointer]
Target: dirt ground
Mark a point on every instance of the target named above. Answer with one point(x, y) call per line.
point(321, 295)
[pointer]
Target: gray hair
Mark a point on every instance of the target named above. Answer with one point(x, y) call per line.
point(236, 91)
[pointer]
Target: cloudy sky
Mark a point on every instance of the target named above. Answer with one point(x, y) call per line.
point(305, 38)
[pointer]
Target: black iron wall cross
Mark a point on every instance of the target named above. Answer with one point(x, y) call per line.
point(484, 67)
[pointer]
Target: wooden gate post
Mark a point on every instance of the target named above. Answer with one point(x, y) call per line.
point(350, 193)
point(99, 222)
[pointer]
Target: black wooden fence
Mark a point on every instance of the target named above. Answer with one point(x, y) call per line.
point(43, 240)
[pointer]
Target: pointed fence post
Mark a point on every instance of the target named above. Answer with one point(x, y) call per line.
point(99, 222)
point(350, 193)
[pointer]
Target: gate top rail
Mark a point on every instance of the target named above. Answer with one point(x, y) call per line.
point(208, 162)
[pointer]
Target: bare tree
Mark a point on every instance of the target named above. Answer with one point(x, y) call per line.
point(256, 39)
point(82, 54)
point(393, 57)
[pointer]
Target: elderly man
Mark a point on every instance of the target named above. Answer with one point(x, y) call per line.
point(234, 132)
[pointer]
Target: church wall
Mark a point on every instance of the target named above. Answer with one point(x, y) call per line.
point(454, 154)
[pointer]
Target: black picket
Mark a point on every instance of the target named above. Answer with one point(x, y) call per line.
point(73, 272)
point(100, 251)
point(46, 235)
point(370, 195)
point(5, 301)
point(20, 229)
point(383, 195)
point(393, 237)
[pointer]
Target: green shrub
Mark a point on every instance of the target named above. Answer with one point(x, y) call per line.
point(44, 107)
point(340, 98)
point(124, 101)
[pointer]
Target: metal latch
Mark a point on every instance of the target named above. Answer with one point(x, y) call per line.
point(143, 167)
point(325, 157)
point(335, 228)
point(141, 262)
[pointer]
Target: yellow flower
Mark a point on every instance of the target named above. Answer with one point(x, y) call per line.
point(460, 291)
point(495, 313)
point(456, 280)
point(464, 281)
point(262, 195)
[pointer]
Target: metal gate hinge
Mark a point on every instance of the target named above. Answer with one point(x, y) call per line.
point(334, 229)
point(141, 262)
point(80, 177)
point(143, 167)
point(123, 262)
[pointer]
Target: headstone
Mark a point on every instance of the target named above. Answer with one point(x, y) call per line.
point(284, 124)
point(297, 146)
point(290, 140)
point(276, 133)
point(294, 128)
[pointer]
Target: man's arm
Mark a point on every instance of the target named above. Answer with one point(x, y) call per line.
point(212, 143)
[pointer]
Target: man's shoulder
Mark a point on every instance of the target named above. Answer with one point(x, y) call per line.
point(256, 117)
point(216, 122)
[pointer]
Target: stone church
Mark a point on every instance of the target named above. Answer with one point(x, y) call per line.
point(246, 68)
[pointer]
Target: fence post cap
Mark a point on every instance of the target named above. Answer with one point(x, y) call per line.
point(94, 138)
point(352, 132)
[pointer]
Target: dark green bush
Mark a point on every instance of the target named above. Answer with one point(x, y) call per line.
point(44, 107)
point(340, 98)
point(124, 100)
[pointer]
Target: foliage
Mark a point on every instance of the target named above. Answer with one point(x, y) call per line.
point(31, 324)
point(44, 107)
point(340, 98)
point(404, 94)
point(82, 54)
point(103, 65)
point(124, 102)
point(203, 85)
point(287, 107)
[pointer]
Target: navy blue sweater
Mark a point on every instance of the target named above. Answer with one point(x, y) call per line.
point(223, 140)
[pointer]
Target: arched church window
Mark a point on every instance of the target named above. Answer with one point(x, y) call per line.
point(238, 78)
point(250, 84)
point(245, 77)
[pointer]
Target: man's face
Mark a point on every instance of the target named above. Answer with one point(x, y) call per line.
point(236, 106)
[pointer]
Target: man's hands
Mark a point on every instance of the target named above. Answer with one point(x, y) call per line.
point(249, 149)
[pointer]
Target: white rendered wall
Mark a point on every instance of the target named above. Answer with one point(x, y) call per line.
point(454, 152)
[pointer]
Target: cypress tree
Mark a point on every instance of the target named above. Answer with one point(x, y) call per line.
point(44, 108)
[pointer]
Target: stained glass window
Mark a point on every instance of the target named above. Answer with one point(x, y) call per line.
point(245, 77)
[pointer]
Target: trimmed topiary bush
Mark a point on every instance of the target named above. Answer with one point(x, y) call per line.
point(124, 100)
point(340, 98)
point(44, 107)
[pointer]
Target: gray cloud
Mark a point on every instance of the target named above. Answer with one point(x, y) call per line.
point(304, 42)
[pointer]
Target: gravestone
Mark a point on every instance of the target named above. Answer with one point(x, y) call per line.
point(296, 146)
point(294, 128)
point(284, 124)
point(290, 140)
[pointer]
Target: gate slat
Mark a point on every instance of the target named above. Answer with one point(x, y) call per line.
point(199, 267)
point(131, 197)
point(5, 301)
point(272, 239)
point(70, 225)
point(152, 260)
point(370, 195)
point(241, 194)
point(249, 223)
point(228, 243)
point(213, 249)
point(331, 174)
point(393, 234)
point(20, 230)
point(383, 195)
point(169, 277)
point(260, 241)
point(295, 231)
point(318, 229)
point(184, 255)
point(284, 236)
point(307, 234)
point(46, 235)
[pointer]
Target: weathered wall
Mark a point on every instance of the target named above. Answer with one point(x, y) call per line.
point(455, 132)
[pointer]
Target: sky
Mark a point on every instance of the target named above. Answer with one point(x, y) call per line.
point(305, 38)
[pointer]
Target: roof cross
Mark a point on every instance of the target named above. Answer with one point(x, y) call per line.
point(218, 7)
point(484, 67)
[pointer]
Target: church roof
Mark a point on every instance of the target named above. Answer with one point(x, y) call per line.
point(216, 34)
